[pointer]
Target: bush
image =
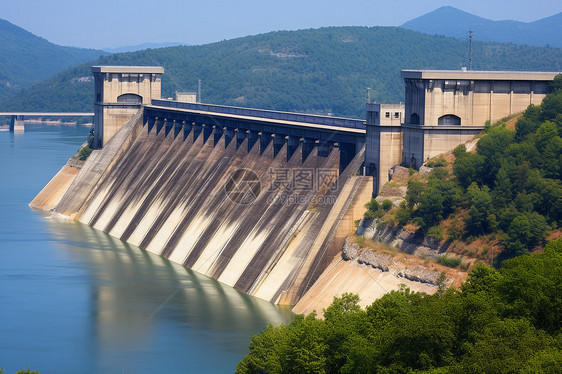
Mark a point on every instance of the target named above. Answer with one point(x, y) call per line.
point(373, 205)
point(451, 262)
point(438, 161)
point(387, 205)
point(459, 150)
point(436, 232)
point(84, 153)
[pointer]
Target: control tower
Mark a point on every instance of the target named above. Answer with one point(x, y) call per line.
point(120, 91)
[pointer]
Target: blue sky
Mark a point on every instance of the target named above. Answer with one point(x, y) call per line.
point(114, 23)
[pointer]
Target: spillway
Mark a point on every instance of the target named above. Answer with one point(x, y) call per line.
point(258, 214)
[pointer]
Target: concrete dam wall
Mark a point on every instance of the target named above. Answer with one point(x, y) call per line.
point(260, 214)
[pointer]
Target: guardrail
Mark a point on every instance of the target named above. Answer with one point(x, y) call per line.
point(269, 114)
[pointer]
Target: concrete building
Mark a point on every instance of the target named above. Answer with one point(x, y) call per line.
point(119, 93)
point(444, 108)
point(384, 140)
point(186, 97)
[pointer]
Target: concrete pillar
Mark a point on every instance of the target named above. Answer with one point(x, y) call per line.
point(308, 145)
point(178, 125)
point(278, 143)
point(217, 133)
point(265, 139)
point(207, 131)
point(240, 136)
point(293, 143)
point(160, 124)
point(197, 128)
point(347, 153)
point(187, 129)
point(229, 134)
point(150, 124)
point(325, 147)
point(16, 124)
point(168, 125)
point(252, 138)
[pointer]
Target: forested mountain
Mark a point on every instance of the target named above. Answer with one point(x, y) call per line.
point(454, 22)
point(26, 59)
point(325, 70)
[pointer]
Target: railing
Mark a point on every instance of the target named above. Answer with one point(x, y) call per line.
point(269, 114)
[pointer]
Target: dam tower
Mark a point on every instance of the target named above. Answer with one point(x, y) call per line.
point(120, 91)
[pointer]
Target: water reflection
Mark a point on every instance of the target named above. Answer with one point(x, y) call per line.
point(135, 295)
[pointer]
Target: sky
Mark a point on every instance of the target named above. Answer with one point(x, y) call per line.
point(115, 23)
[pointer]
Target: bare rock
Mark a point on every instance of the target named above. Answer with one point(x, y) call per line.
point(398, 172)
point(424, 170)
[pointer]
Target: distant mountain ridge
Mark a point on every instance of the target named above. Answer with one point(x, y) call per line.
point(454, 22)
point(26, 59)
point(140, 47)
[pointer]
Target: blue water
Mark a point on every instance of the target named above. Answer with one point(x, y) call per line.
point(75, 300)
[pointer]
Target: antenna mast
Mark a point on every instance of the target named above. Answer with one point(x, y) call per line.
point(470, 35)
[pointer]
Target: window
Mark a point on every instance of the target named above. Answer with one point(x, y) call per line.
point(130, 98)
point(387, 115)
point(449, 120)
point(396, 114)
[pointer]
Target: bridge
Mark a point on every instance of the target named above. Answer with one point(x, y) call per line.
point(265, 126)
point(16, 123)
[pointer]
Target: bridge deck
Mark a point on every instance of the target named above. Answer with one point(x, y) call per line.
point(344, 125)
point(45, 114)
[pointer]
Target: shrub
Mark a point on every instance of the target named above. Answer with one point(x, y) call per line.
point(459, 150)
point(373, 205)
point(436, 232)
point(387, 205)
point(84, 153)
point(451, 262)
point(438, 161)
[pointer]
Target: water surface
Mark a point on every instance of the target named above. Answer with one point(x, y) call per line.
point(75, 300)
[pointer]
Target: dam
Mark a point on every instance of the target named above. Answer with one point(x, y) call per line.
point(261, 200)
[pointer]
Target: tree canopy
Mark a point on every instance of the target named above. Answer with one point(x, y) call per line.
point(500, 321)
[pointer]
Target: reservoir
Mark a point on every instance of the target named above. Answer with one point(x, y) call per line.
point(75, 300)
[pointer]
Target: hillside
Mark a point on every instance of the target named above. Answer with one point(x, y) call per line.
point(325, 70)
point(498, 196)
point(503, 190)
point(26, 59)
point(454, 22)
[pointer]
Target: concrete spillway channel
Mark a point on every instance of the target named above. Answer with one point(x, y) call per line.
point(224, 206)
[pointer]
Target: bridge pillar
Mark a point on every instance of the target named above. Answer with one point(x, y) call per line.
point(265, 139)
point(178, 125)
point(16, 124)
point(252, 138)
point(308, 145)
point(120, 91)
point(240, 136)
point(325, 147)
point(196, 128)
point(229, 134)
point(218, 131)
point(278, 143)
point(293, 143)
point(187, 129)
